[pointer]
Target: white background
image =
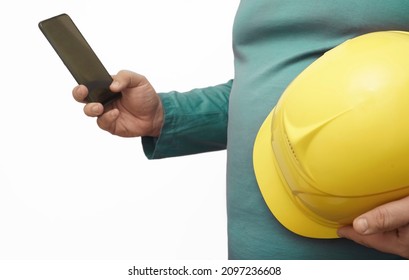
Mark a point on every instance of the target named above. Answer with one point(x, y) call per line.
point(71, 191)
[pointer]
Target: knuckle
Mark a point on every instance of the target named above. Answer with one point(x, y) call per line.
point(383, 219)
point(122, 72)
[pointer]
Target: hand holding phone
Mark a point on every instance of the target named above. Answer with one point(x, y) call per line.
point(79, 58)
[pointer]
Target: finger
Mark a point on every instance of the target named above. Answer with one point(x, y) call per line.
point(80, 93)
point(127, 79)
point(366, 240)
point(93, 109)
point(395, 242)
point(107, 120)
point(386, 217)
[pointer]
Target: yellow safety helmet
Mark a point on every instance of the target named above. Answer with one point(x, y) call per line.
point(337, 143)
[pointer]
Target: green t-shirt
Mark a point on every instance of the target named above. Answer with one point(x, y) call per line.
point(273, 41)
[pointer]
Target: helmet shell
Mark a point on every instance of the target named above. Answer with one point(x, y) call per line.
point(339, 136)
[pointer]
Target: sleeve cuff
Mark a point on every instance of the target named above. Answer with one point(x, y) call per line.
point(154, 147)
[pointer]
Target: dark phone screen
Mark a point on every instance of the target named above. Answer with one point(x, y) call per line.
point(78, 57)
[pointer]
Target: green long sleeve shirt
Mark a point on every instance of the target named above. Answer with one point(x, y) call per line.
point(273, 41)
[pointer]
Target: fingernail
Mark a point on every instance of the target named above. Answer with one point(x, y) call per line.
point(361, 225)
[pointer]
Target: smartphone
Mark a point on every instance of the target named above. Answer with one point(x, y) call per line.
point(79, 58)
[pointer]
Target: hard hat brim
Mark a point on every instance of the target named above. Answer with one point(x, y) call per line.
point(276, 192)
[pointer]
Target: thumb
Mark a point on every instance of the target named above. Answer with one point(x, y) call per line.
point(127, 79)
point(384, 218)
